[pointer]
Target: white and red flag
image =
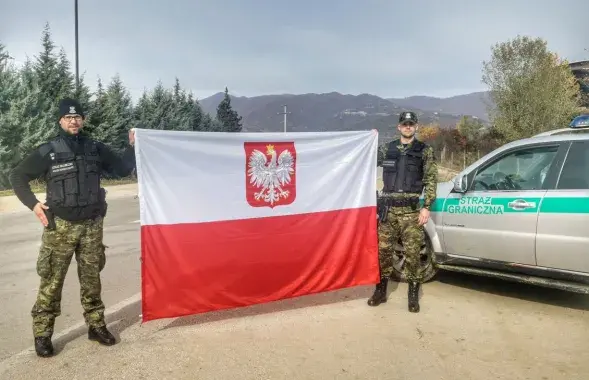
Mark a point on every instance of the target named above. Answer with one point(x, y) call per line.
point(236, 219)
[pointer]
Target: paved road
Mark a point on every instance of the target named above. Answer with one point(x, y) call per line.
point(20, 237)
point(469, 327)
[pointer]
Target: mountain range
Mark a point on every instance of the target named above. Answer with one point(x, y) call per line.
point(339, 112)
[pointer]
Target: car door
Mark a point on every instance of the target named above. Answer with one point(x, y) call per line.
point(563, 223)
point(495, 219)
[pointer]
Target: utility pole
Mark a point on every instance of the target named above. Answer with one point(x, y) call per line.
point(77, 55)
point(284, 113)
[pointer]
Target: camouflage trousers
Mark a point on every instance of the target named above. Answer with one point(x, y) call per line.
point(84, 239)
point(406, 227)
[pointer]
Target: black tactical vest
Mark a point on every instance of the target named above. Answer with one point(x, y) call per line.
point(73, 180)
point(402, 172)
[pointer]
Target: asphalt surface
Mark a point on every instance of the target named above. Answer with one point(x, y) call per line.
point(20, 239)
point(468, 328)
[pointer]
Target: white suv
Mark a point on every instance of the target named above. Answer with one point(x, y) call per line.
point(519, 213)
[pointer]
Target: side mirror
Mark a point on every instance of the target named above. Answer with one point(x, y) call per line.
point(461, 184)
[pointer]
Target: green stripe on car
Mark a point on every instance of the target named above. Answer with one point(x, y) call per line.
point(482, 205)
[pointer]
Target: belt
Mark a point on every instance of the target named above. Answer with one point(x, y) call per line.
point(399, 202)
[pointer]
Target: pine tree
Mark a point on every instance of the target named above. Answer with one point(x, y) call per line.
point(116, 113)
point(65, 78)
point(31, 111)
point(29, 99)
point(47, 80)
point(84, 96)
point(181, 109)
point(228, 118)
point(9, 135)
point(162, 103)
point(143, 112)
point(96, 112)
point(8, 77)
point(195, 114)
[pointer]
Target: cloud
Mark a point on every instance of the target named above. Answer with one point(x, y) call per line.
point(275, 46)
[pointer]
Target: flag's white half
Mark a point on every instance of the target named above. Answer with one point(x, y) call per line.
point(192, 177)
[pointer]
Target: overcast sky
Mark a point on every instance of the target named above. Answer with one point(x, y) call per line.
point(384, 47)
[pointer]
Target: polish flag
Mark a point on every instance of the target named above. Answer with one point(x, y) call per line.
point(236, 219)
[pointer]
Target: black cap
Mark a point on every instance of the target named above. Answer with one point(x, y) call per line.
point(69, 106)
point(408, 118)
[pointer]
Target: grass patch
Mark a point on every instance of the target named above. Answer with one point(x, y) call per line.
point(39, 186)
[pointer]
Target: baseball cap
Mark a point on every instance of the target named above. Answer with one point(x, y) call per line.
point(408, 117)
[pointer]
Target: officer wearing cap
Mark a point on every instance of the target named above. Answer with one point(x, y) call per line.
point(409, 168)
point(71, 165)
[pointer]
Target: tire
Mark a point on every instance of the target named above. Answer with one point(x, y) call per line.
point(427, 267)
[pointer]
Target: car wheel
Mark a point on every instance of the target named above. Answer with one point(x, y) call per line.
point(427, 265)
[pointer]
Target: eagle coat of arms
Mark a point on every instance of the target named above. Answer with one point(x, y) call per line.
point(270, 174)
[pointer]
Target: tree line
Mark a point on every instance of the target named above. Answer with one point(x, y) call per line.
point(532, 90)
point(29, 97)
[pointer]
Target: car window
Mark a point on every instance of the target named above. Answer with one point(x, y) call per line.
point(523, 169)
point(575, 172)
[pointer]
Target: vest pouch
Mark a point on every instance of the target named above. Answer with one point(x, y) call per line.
point(91, 191)
point(71, 189)
point(407, 176)
point(63, 184)
point(417, 186)
point(414, 161)
point(414, 176)
point(389, 173)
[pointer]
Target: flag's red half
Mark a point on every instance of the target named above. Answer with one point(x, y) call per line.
point(195, 268)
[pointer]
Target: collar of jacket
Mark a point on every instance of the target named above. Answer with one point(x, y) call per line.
point(73, 138)
point(401, 147)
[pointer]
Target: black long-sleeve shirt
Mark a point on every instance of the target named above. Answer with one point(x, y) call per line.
point(36, 165)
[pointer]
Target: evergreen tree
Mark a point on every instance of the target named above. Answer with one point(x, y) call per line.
point(65, 78)
point(143, 112)
point(8, 78)
point(29, 98)
point(162, 111)
point(47, 80)
point(9, 135)
point(228, 118)
point(195, 114)
point(84, 96)
point(95, 112)
point(181, 109)
point(116, 115)
point(31, 111)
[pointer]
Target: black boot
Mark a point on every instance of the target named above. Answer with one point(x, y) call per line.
point(43, 346)
point(101, 335)
point(380, 293)
point(413, 297)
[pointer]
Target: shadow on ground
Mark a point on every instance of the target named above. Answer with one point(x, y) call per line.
point(117, 322)
point(131, 314)
point(320, 299)
point(512, 289)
